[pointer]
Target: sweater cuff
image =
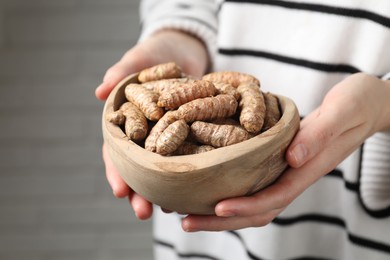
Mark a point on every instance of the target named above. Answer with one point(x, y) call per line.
point(375, 172)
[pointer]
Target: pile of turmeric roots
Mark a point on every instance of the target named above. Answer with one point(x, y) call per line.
point(170, 113)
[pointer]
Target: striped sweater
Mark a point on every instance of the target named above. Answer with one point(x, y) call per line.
point(299, 49)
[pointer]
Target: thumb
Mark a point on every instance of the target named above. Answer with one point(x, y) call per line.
point(132, 61)
point(317, 131)
point(113, 76)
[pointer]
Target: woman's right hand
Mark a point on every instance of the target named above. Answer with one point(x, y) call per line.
point(164, 46)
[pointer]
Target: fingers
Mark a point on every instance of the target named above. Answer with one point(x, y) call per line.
point(262, 206)
point(137, 58)
point(312, 138)
point(253, 211)
point(132, 61)
point(320, 129)
point(143, 209)
point(112, 77)
point(349, 104)
point(118, 185)
point(275, 197)
point(161, 47)
point(193, 223)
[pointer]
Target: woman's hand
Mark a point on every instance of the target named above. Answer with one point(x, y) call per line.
point(165, 46)
point(353, 110)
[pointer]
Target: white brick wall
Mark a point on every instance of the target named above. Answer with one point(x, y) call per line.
point(55, 202)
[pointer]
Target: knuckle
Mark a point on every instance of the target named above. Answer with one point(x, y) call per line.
point(285, 199)
point(286, 195)
point(321, 136)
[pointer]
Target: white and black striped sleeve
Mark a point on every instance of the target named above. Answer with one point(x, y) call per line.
point(197, 17)
point(375, 173)
point(386, 77)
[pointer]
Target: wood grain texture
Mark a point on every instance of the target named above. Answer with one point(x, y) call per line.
point(196, 183)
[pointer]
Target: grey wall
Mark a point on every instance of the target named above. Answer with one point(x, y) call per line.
point(55, 202)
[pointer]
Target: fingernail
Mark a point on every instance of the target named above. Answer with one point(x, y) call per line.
point(186, 226)
point(222, 211)
point(226, 213)
point(299, 154)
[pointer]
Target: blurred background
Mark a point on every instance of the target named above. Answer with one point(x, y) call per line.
point(55, 202)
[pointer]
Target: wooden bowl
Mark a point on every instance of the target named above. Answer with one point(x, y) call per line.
point(194, 184)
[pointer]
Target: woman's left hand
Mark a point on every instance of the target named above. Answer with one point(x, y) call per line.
point(353, 110)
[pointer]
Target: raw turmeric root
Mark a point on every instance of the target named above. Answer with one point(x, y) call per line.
point(136, 125)
point(167, 119)
point(218, 135)
point(162, 71)
point(191, 116)
point(172, 137)
point(185, 92)
point(187, 148)
point(145, 100)
point(160, 86)
point(208, 108)
point(231, 77)
point(272, 112)
point(116, 117)
point(252, 107)
point(226, 88)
